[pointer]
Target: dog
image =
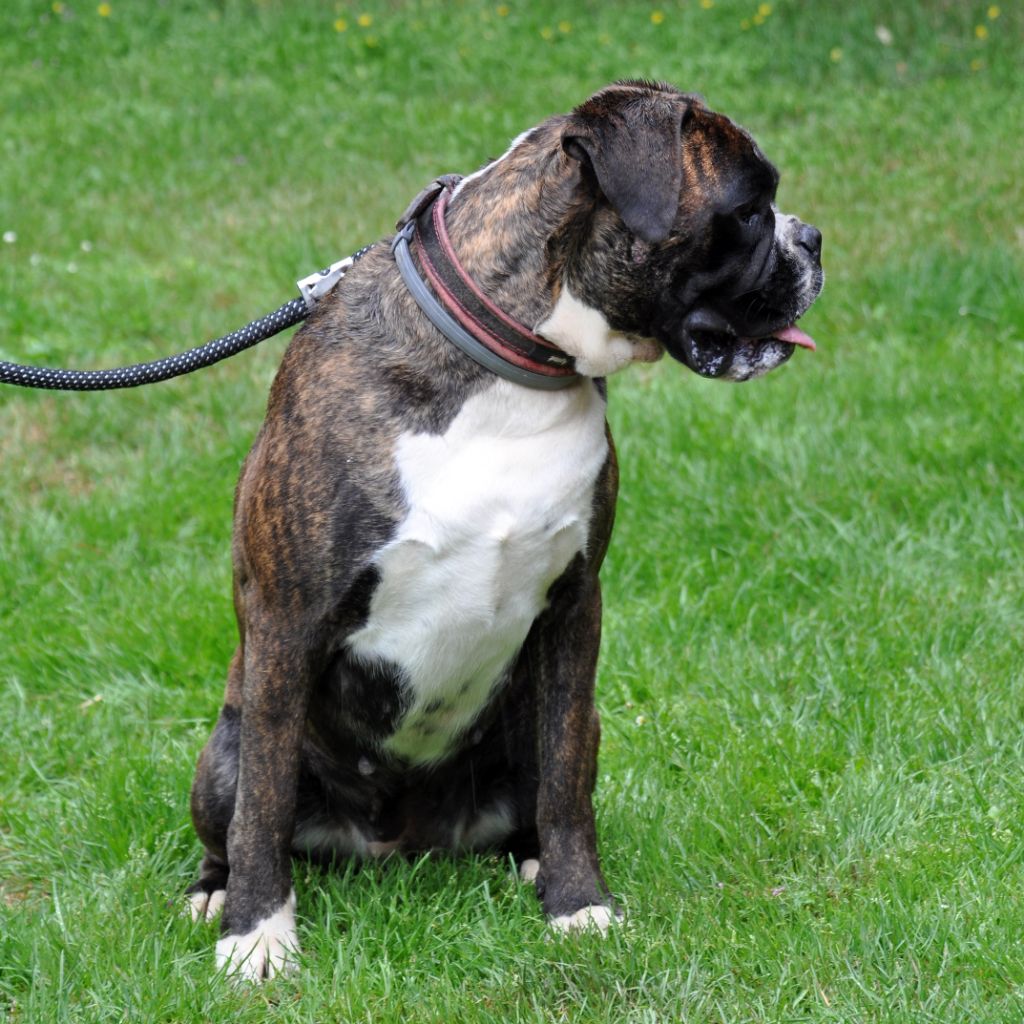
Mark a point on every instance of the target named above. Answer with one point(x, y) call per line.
point(419, 525)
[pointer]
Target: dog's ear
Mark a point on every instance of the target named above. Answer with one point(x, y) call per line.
point(634, 150)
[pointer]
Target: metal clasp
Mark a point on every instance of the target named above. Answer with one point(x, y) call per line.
point(314, 287)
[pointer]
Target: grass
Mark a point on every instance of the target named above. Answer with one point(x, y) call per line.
point(810, 797)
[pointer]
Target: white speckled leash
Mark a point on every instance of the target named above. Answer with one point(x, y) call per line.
point(311, 288)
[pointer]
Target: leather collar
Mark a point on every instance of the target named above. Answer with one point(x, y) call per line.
point(458, 307)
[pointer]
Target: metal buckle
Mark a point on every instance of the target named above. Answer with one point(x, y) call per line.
point(314, 287)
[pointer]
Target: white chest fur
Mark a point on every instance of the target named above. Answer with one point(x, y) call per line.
point(497, 508)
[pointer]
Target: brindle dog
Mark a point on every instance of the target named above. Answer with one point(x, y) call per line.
point(417, 541)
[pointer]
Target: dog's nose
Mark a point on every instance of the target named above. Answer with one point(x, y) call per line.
point(809, 239)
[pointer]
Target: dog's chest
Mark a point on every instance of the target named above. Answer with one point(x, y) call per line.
point(497, 507)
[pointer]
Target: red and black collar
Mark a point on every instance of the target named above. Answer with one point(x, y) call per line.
point(458, 307)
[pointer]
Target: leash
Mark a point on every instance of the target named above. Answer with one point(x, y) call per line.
point(461, 312)
point(312, 289)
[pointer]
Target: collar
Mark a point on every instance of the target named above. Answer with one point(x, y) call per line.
point(457, 306)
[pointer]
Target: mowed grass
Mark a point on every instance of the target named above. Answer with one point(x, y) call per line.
point(810, 798)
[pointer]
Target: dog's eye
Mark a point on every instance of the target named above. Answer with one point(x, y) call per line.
point(748, 213)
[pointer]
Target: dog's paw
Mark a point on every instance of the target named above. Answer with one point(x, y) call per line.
point(528, 870)
point(204, 906)
point(271, 948)
point(597, 918)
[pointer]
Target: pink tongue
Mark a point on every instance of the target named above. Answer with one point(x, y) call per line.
point(795, 336)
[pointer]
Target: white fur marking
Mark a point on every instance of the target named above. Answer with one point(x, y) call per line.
point(344, 840)
point(586, 919)
point(529, 870)
point(497, 508)
point(584, 333)
point(483, 170)
point(205, 906)
point(197, 902)
point(267, 950)
point(489, 827)
point(755, 360)
point(215, 904)
point(786, 226)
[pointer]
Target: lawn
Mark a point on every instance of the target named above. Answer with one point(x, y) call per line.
point(812, 682)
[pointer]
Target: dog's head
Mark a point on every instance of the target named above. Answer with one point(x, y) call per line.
point(687, 246)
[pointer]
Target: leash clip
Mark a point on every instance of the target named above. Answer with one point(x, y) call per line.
point(315, 286)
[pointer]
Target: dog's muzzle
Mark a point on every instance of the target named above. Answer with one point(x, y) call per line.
point(740, 336)
point(711, 347)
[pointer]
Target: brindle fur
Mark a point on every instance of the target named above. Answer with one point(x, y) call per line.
point(319, 496)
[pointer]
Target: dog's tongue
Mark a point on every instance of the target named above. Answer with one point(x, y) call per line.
point(795, 336)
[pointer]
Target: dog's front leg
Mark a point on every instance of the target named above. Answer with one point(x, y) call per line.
point(564, 662)
point(258, 927)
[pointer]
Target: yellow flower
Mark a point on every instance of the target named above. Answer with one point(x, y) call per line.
point(981, 31)
point(340, 25)
point(977, 64)
point(707, 4)
point(835, 54)
point(565, 27)
point(764, 10)
point(104, 10)
point(547, 32)
point(657, 17)
point(758, 19)
point(993, 12)
point(57, 8)
point(502, 10)
point(365, 20)
point(745, 24)
point(371, 41)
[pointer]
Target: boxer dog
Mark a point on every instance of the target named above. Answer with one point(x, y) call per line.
point(420, 523)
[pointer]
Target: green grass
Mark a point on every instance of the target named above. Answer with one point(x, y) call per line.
point(812, 685)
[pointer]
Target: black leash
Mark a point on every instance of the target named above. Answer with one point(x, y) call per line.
point(312, 289)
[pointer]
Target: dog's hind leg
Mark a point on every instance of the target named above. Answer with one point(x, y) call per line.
point(213, 801)
point(205, 896)
point(519, 730)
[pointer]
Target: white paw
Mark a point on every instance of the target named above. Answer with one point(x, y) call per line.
point(204, 906)
point(528, 870)
point(269, 949)
point(585, 919)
